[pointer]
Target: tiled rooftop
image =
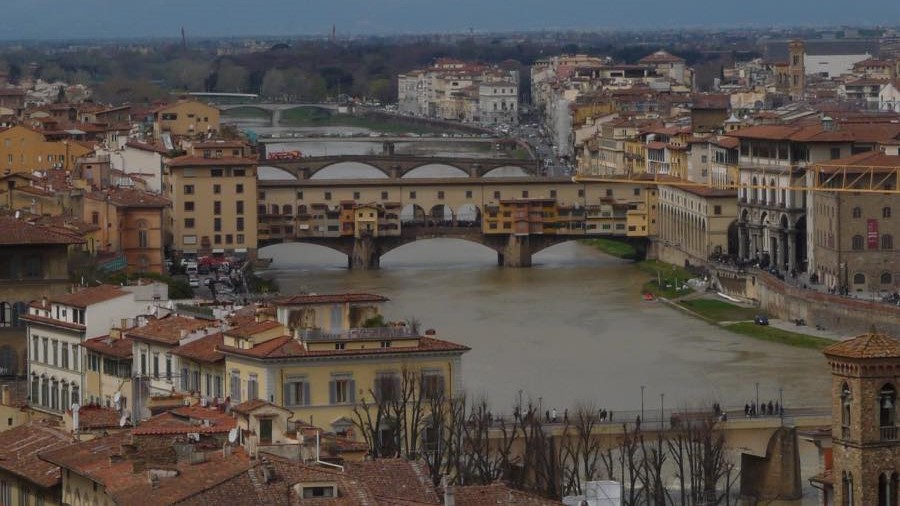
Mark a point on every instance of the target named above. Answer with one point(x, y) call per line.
point(88, 296)
point(129, 197)
point(168, 330)
point(288, 347)
point(194, 161)
point(866, 346)
point(252, 328)
point(202, 350)
point(110, 347)
point(498, 494)
point(20, 446)
point(19, 232)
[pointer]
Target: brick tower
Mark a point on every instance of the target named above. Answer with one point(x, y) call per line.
point(797, 69)
point(865, 375)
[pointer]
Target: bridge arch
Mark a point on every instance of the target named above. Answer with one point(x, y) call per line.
point(434, 170)
point(507, 171)
point(349, 170)
point(272, 173)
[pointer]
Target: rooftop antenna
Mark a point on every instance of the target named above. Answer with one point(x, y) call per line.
point(333, 33)
point(183, 40)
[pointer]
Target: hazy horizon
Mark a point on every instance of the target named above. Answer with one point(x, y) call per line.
point(106, 19)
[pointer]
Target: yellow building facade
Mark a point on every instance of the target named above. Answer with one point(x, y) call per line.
point(25, 150)
point(186, 118)
point(213, 204)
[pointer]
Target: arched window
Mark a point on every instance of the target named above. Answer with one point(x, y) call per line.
point(772, 191)
point(755, 189)
point(885, 212)
point(883, 489)
point(287, 210)
point(846, 401)
point(892, 495)
point(887, 412)
point(143, 234)
point(275, 209)
point(887, 241)
point(886, 278)
point(846, 489)
point(859, 278)
point(857, 212)
point(857, 242)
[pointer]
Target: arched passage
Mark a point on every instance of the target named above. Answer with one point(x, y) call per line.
point(440, 216)
point(468, 215)
point(435, 170)
point(412, 214)
point(269, 173)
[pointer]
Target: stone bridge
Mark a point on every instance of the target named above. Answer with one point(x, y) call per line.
point(276, 109)
point(364, 253)
point(397, 166)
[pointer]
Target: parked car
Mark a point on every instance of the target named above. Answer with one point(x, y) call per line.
point(761, 319)
point(194, 282)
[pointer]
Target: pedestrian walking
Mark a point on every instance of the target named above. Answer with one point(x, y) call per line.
point(553, 415)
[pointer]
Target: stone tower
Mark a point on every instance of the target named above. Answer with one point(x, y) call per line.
point(865, 375)
point(797, 69)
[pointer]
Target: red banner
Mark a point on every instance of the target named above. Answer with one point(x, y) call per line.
point(872, 233)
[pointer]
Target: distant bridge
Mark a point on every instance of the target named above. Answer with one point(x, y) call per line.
point(397, 166)
point(275, 109)
point(320, 211)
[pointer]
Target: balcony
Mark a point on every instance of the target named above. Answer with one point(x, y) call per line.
point(889, 433)
point(359, 333)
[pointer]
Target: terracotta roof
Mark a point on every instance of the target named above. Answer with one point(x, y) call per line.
point(247, 407)
point(20, 446)
point(336, 298)
point(51, 321)
point(103, 460)
point(167, 330)
point(843, 132)
point(19, 232)
point(192, 161)
point(69, 224)
point(711, 101)
point(253, 328)
point(497, 493)
point(98, 417)
point(12, 92)
point(397, 478)
point(825, 477)
point(865, 346)
point(869, 160)
point(288, 347)
point(156, 148)
point(129, 197)
point(111, 347)
point(251, 487)
point(88, 296)
point(203, 349)
point(212, 144)
point(187, 419)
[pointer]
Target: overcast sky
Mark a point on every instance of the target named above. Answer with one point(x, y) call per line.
point(140, 18)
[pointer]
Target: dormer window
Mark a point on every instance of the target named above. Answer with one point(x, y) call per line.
point(313, 491)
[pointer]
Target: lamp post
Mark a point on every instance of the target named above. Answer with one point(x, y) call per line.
point(519, 407)
point(662, 417)
point(781, 405)
point(757, 396)
point(540, 406)
point(642, 402)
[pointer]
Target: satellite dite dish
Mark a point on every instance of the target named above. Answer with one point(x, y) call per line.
point(232, 435)
point(123, 420)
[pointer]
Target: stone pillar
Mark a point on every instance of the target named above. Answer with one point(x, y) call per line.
point(365, 255)
point(742, 242)
point(779, 241)
point(792, 249)
point(516, 253)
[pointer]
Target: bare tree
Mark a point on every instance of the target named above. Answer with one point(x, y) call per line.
point(582, 450)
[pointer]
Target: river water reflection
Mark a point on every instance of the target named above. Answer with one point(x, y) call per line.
point(572, 328)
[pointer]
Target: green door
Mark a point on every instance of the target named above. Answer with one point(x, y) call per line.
point(265, 430)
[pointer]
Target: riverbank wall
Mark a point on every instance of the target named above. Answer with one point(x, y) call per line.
point(781, 300)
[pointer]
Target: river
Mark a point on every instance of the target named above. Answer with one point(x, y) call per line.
point(571, 328)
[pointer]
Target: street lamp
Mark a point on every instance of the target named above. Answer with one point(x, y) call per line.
point(781, 405)
point(520, 400)
point(642, 402)
point(757, 396)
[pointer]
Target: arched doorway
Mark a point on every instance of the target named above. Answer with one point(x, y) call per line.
point(440, 216)
point(468, 215)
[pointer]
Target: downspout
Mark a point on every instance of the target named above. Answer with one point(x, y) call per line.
point(319, 461)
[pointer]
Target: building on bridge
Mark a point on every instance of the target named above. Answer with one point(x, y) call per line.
point(696, 222)
point(214, 201)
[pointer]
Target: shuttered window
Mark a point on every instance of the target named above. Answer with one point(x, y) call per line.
point(342, 389)
point(296, 392)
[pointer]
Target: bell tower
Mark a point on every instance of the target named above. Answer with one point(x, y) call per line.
point(797, 69)
point(865, 374)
